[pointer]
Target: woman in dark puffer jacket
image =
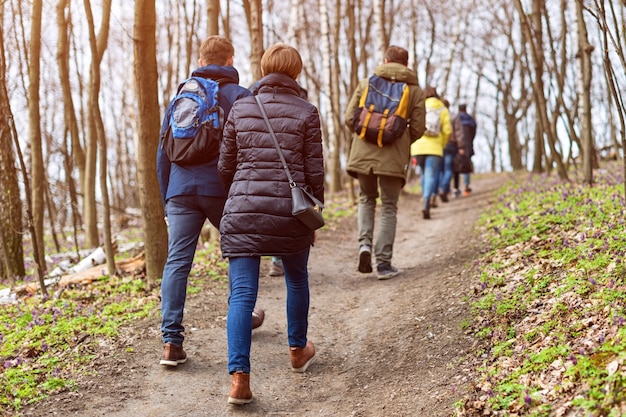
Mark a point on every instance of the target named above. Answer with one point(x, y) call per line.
point(257, 218)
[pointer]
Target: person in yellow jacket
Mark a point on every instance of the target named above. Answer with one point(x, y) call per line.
point(428, 150)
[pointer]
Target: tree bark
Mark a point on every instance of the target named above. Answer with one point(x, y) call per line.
point(37, 168)
point(254, 15)
point(11, 251)
point(584, 52)
point(145, 71)
point(213, 17)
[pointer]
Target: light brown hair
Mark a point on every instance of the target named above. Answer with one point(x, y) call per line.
point(283, 59)
point(397, 54)
point(216, 50)
point(430, 91)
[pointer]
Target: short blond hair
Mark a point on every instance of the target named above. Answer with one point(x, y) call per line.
point(283, 59)
point(216, 50)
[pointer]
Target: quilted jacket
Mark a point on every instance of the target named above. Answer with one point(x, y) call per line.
point(257, 217)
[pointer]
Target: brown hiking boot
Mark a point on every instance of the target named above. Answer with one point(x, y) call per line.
point(301, 358)
point(173, 355)
point(240, 393)
point(258, 316)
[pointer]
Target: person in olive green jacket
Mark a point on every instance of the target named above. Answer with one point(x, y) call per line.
point(383, 168)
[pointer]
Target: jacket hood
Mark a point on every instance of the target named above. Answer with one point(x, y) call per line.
point(396, 71)
point(218, 72)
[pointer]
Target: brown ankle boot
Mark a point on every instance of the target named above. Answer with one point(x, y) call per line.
point(240, 389)
point(301, 358)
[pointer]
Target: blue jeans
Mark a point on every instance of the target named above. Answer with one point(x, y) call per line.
point(446, 172)
point(368, 193)
point(244, 273)
point(186, 215)
point(430, 177)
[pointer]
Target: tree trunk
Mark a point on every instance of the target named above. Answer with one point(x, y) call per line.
point(381, 39)
point(11, 251)
point(98, 46)
point(213, 17)
point(145, 70)
point(37, 169)
point(534, 39)
point(254, 15)
point(63, 60)
point(584, 54)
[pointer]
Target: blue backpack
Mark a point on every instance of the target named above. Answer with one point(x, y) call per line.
point(381, 117)
point(196, 123)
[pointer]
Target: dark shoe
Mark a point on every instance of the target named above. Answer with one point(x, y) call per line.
point(433, 201)
point(426, 213)
point(173, 355)
point(276, 270)
point(258, 315)
point(386, 271)
point(365, 259)
point(301, 358)
point(240, 393)
point(457, 193)
point(444, 197)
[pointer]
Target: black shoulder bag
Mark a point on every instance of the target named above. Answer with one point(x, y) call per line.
point(304, 206)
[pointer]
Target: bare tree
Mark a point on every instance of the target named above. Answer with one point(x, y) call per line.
point(254, 16)
point(213, 17)
point(11, 251)
point(77, 156)
point(533, 35)
point(96, 126)
point(37, 168)
point(584, 54)
point(145, 70)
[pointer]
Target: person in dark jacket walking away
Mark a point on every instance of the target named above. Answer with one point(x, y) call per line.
point(383, 168)
point(191, 194)
point(464, 130)
point(257, 218)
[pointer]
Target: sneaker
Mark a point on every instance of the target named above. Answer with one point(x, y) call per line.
point(276, 270)
point(426, 214)
point(173, 355)
point(457, 193)
point(240, 393)
point(444, 197)
point(258, 316)
point(467, 191)
point(301, 358)
point(365, 259)
point(386, 271)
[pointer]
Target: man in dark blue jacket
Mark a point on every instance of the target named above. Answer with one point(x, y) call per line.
point(191, 194)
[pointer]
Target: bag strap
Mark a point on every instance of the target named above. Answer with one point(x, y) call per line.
point(292, 184)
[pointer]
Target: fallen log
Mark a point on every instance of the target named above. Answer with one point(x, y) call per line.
point(132, 266)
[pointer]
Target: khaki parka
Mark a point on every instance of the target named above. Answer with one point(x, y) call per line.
point(391, 160)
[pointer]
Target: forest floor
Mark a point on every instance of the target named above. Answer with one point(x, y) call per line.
point(384, 348)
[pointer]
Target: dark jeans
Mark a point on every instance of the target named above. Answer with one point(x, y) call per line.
point(186, 215)
point(244, 273)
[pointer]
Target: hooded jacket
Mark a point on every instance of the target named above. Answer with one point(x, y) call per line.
point(257, 216)
point(201, 179)
point(433, 145)
point(390, 160)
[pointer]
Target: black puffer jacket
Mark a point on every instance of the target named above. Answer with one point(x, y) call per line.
point(257, 217)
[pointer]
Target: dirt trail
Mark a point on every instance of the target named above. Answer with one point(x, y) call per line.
point(385, 348)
